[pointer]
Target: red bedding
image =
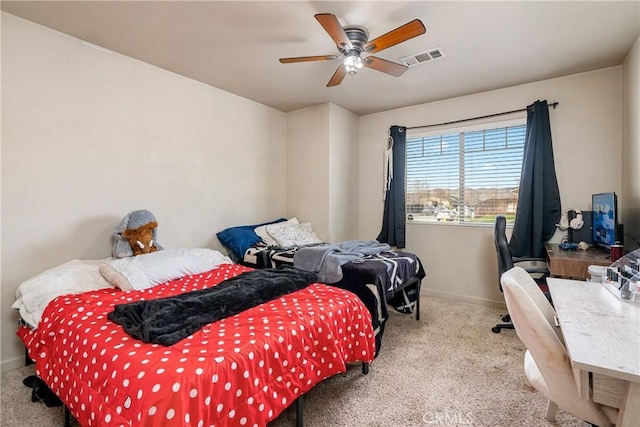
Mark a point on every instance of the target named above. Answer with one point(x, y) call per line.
point(243, 370)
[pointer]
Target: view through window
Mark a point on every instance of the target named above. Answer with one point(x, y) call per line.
point(465, 176)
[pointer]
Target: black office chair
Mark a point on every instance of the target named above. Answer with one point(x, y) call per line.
point(536, 267)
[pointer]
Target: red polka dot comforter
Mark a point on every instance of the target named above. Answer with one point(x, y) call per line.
point(240, 371)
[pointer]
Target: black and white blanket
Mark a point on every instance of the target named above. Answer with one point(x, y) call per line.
point(390, 269)
point(385, 279)
point(268, 256)
point(166, 321)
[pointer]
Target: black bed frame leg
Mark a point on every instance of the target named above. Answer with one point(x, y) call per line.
point(67, 417)
point(365, 368)
point(27, 360)
point(417, 307)
point(299, 407)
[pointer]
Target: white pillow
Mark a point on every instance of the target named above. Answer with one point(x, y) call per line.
point(266, 237)
point(73, 277)
point(148, 270)
point(293, 234)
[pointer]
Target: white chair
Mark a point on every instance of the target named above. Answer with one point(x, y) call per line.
point(532, 288)
point(546, 361)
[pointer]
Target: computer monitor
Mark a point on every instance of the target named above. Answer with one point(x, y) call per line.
point(605, 219)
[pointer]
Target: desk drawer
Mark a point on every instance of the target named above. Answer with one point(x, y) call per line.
point(607, 391)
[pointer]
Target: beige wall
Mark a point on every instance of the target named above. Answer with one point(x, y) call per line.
point(343, 175)
point(88, 136)
point(586, 130)
point(322, 170)
point(308, 167)
point(630, 200)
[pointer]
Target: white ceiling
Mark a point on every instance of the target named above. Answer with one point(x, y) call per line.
point(235, 45)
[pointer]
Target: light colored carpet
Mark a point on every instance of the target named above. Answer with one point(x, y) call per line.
point(448, 369)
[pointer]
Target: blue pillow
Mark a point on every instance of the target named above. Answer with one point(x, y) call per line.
point(239, 239)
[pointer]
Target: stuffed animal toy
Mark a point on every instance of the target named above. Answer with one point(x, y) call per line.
point(136, 234)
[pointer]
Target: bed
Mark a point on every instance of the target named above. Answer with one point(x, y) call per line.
point(244, 369)
point(395, 274)
point(380, 277)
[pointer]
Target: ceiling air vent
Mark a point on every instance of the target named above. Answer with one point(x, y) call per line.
point(422, 57)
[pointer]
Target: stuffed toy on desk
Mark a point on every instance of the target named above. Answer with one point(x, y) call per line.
point(136, 234)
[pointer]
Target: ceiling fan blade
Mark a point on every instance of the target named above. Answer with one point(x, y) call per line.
point(307, 58)
point(331, 25)
point(337, 77)
point(385, 66)
point(393, 37)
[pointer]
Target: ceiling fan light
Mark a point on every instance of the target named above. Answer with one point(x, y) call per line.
point(349, 61)
point(352, 64)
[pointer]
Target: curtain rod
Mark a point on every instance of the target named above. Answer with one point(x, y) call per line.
point(553, 104)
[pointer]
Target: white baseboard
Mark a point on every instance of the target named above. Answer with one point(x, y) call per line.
point(11, 364)
point(472, 300)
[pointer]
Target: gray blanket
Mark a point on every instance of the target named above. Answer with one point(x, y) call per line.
point(327, 260)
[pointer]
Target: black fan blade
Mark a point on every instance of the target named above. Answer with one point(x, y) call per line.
point(385, 66)
point(308, 58)
point(337, 77)
point(331, 25)
point(393, 37)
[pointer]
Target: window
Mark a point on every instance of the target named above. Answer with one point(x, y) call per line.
point(466, 175)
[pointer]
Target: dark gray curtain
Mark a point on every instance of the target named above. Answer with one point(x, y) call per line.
point(393, 221)
point(538, 209)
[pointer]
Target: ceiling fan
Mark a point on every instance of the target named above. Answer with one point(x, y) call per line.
point(352, 41)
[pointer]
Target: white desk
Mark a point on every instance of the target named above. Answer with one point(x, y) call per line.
point(602, 336)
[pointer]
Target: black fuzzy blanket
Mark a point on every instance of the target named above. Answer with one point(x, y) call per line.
point(168, 320)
